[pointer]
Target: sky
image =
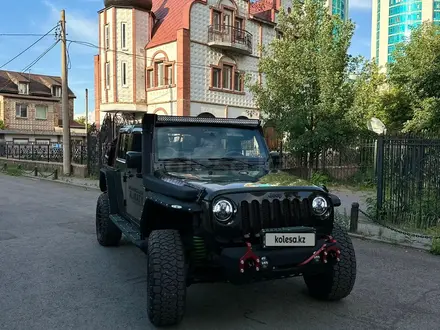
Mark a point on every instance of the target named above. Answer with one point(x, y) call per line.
point(40, 16)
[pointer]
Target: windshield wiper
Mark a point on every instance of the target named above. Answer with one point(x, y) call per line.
point(183, 159)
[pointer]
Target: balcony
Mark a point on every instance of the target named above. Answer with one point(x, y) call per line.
point(229, 37)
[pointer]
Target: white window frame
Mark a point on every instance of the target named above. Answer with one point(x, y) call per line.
point(169, 74)
point(56, 91)
point(107, 75)
point(25, 86)
point(150, 78)
point(124, 74)
point(21, 105)
point(124, 36)
point(160, 74)
point(41, 106)
point(230, 69)
point(107, 36)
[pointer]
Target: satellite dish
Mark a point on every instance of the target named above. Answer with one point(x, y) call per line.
point(377, 126)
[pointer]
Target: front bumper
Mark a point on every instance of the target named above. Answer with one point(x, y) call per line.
point(253, 262)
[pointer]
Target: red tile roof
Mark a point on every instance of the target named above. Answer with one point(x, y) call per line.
point(263, 9)
point(169, 19)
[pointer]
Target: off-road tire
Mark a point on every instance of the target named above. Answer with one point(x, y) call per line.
point(336, 281)
point(166, 282)
point(107, 233)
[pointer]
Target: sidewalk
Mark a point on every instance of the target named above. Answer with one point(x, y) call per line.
point(80, 182)
point(348, 197)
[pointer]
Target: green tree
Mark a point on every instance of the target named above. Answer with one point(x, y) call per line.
point(416, 72)
point(306, 90)
point(374, 97)
point(82, 120)
point(2, 125)
point(367, 86)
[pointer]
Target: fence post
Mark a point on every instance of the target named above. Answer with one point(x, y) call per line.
point(35, 171)
point(380, 171)
point(354, 217)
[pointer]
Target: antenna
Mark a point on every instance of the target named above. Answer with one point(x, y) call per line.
point(377, 126)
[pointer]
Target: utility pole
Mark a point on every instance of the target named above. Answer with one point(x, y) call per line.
point(87, 115)
point(65, 98)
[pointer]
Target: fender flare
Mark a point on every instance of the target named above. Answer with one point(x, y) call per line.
point(156, 204)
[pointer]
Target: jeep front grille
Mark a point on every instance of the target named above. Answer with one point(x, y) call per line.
point(276, 214)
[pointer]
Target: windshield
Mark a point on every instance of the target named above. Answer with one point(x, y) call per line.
point(211, 147)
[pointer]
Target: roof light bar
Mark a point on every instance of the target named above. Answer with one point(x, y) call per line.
point(203, 120)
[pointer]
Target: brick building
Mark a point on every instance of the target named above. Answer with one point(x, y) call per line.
point(30, 109)
point(182, 57)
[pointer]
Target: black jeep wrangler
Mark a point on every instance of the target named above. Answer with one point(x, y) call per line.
point(186, 191)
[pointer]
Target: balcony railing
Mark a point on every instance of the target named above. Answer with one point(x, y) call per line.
point(230, 37)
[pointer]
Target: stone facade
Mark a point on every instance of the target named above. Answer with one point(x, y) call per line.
point(174, 59)
point(31, 109)
point(32, 122)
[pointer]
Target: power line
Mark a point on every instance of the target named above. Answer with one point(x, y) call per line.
point(26, 35)
point(30, 65)
point(88, 44)
point(29, 47)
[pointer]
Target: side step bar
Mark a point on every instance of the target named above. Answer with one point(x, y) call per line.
point(129, 230)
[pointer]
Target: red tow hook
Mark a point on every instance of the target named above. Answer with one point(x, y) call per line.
point(329, 247)
point(249, 255)
point(333, 250)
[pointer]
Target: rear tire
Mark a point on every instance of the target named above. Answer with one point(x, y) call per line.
point(166, 283)
point(107, 233)
point(336, 281)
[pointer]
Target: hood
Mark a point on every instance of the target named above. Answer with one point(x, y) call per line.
point(214, 189)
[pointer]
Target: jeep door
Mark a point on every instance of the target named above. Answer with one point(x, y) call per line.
point(120, 161)
point(134, 184)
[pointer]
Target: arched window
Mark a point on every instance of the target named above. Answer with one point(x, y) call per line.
point(160, 111)
point(160, 73)
point(206, 115)
point(226, 77)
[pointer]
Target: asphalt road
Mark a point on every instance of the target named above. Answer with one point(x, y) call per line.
point(54, 275)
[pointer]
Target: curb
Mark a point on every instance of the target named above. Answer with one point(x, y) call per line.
point(62, 182)
point(379, 240)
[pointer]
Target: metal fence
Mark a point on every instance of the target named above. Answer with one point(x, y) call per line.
point(408, 181)
point(352, 163)
point(52, 152)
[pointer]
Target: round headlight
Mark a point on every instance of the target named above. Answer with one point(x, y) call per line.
point(319, 205)
point(223, 210)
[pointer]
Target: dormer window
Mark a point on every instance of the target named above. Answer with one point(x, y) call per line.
point(56, 91)
point(23, 88)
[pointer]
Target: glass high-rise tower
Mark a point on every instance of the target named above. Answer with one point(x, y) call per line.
point(339, 7)
point(392, 21)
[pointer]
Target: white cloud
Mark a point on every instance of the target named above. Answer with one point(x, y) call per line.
point(78, 26)
point(360, 4)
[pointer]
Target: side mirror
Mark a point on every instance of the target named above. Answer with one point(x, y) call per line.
point(134, 160)
point(276, 159)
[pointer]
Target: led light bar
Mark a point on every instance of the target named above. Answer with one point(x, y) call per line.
point(202, 120)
